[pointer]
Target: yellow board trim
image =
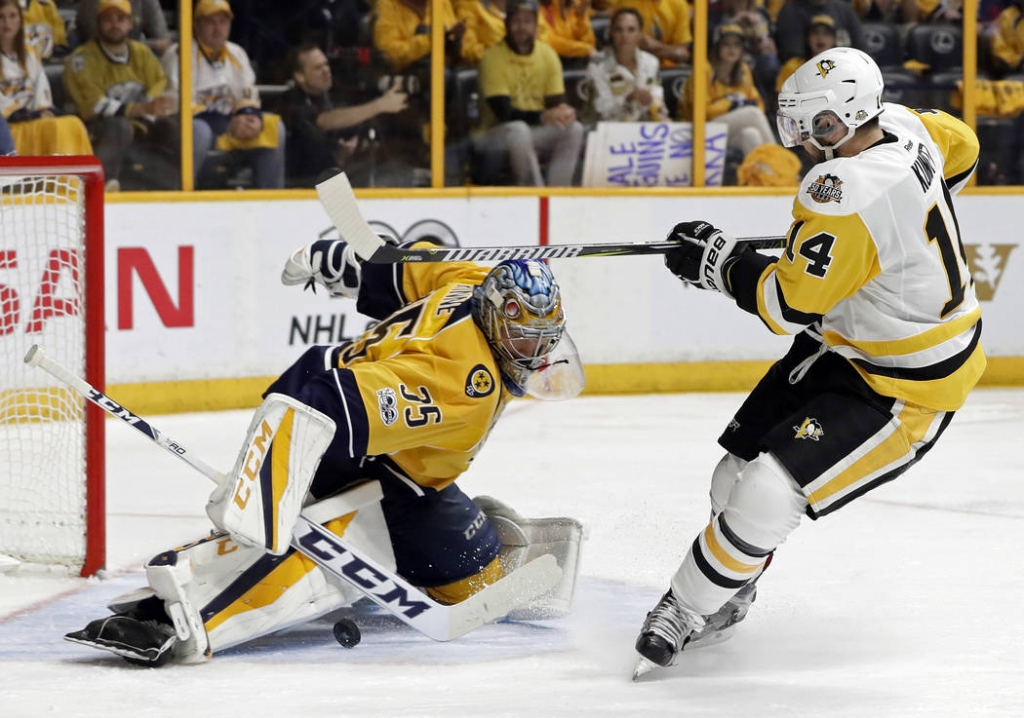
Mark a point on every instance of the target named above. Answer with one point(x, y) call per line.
point(175, 397)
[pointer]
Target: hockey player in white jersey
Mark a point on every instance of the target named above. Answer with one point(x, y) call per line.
point(875, 285)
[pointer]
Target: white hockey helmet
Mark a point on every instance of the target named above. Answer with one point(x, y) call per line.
point(841, 87)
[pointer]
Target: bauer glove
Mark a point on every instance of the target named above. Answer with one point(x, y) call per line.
point(331, 263)
point(703, 255)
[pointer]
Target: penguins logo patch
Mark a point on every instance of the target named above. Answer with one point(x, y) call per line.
point(479, 383)
point(826, 189)
point(825, 67)
point(809, 429)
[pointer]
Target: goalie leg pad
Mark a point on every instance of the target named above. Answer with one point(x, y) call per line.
point(246, 593)
point(525, 539)
point(168, 577)
point(259, 502)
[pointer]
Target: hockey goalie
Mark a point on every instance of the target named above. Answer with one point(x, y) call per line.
point(369, 438)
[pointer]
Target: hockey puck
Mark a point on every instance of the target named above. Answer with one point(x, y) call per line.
point(346, 632)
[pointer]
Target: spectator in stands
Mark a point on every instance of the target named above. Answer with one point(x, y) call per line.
point(6, 140)
point(119, 88)
point(731, 95)
point(565, 25)
point(759, 46)
point(402, 32)
point(225, 100)
point(44, 29)
point(524, 115)
point(668, 34)
point(1006, 41)
point(149, 24)
point(625, 80)
point(485, 25)
point(889, 11)
point(320, 135)
point(939, 11)
point(25, 100)
point(269, 29)
point(795, 17)
point(821, 36)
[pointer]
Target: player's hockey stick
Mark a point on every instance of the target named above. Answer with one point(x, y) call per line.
point(338, 557)
point(340, 203)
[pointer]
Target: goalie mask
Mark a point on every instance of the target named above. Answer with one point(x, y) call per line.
point(518, 307)
point(836, 89)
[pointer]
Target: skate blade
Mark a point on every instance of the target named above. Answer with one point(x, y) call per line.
point(711, 639)
point(642, 667)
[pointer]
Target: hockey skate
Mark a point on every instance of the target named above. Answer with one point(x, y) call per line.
point(720, 625)
point(666, 630)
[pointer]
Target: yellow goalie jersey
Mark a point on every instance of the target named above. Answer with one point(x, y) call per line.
point(876, 266)
point(422, 386)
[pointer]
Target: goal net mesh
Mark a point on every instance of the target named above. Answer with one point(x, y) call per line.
point(43, 453)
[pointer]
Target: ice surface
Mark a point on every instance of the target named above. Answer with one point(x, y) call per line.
point(909, 602)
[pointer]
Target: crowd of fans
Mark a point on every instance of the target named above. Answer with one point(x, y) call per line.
point(283, 91)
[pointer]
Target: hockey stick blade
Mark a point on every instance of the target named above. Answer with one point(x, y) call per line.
point(339, 558)
point(409, 604)
point(339, 201)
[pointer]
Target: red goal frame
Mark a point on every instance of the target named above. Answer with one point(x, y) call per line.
point(91, 172)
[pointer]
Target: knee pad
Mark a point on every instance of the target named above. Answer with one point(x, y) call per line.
point(765, 505)
point(724, 477)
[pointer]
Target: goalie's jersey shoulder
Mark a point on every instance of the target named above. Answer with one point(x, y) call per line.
point(421, 327)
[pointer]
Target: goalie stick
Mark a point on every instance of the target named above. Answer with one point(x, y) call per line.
point(339, 558)
point(340, 203)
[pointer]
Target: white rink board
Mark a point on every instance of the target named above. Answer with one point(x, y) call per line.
point(620, 310)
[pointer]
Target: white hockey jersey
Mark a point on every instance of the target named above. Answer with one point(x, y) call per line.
point(26, 89)
point(876, 266)
point(220, 82)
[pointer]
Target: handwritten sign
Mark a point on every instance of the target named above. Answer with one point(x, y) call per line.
point(651, 154)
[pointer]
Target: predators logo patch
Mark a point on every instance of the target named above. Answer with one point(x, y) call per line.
point(387, 403)
point(826, 189)
point(479, 383)
point(809, 429)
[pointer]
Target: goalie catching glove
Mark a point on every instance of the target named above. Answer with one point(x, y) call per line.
point(704, 256)
point(330, 263)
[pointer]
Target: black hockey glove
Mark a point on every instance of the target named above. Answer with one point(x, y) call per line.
point(703, 255)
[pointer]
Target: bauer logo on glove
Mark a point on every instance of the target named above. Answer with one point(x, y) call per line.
point(703, 255)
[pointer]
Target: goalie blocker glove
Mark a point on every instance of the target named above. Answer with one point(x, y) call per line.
point(704, 255)
point(330, 263)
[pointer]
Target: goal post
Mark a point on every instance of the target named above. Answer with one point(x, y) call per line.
point(52, 442)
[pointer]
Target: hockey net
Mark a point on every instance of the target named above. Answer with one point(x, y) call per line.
point(51, 293)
